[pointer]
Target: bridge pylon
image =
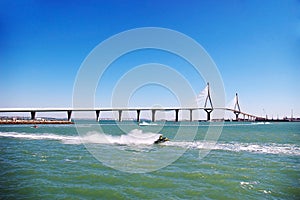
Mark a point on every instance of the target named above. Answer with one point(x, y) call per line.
point(208, 109)
point(237, 109)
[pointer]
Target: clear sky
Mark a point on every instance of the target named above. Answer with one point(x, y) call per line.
point(255, 45)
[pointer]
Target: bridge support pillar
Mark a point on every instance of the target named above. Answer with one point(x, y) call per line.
point(32, 113)
point(191, 115)
point(138, 112)
point(69, 112)
point(120, 115)
point(236, 115)
point(153, 115)
point(97, 115)
point(176, 115)
point(208, 111)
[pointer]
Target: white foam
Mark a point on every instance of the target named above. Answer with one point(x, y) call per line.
point(46, 136)
point(270, 148)
point(249, 183)
point(135, 137)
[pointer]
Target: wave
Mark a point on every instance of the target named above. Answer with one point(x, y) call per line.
point(138, 137)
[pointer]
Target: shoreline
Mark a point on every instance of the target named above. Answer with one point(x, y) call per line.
point(55, 121)
point(21, 121)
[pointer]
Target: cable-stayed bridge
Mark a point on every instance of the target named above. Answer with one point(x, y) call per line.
point(208, 108)
point(138, 110)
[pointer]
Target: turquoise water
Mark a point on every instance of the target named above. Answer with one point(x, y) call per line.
point(249, 161)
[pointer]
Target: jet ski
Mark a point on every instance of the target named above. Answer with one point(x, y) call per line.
point(161, 139)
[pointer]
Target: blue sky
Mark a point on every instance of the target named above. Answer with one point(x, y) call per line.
point(255, 45)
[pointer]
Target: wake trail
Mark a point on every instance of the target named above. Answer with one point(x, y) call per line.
point(138, 137)
point(134, 137)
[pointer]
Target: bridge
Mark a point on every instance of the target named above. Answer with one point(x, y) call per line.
point(97, 111)
point(208, 108)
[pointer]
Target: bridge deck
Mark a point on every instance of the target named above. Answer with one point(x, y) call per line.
point(120, 110)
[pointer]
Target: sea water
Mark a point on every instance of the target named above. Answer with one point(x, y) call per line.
point(248, 161)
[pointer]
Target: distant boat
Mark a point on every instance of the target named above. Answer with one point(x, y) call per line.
point(144, 124)
point(147, 124)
